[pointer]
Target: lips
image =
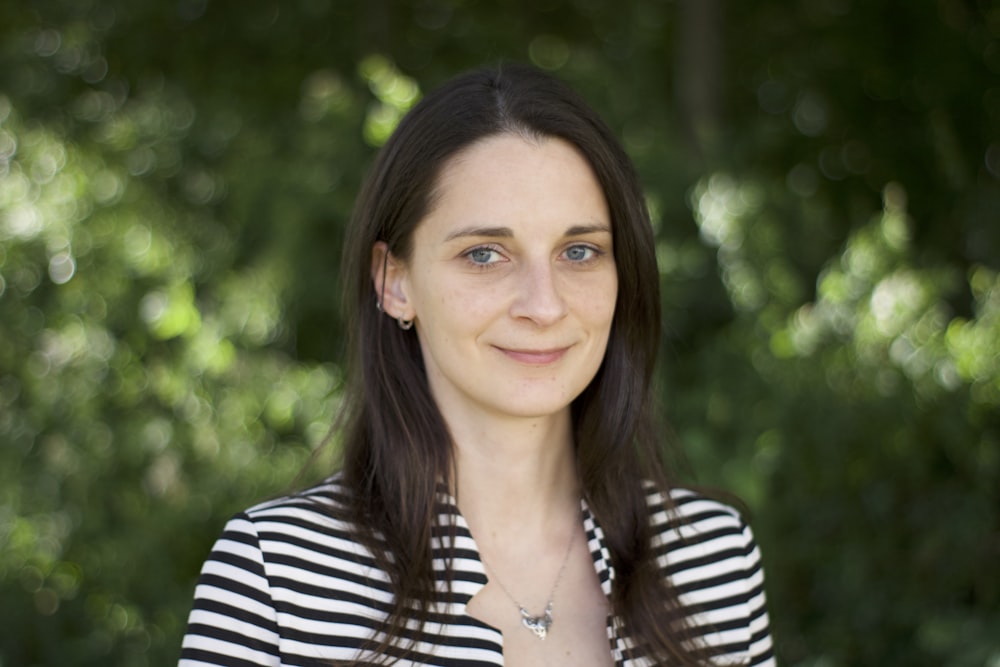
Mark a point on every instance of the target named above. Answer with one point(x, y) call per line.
point(535, 357)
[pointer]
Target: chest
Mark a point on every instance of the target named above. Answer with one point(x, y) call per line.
point(578, 634)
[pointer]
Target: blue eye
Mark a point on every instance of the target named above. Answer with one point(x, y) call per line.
point(580, 253)
point(482, 255)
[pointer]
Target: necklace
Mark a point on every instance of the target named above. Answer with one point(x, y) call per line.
point(541, 623)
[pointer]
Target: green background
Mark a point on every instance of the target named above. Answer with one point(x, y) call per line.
point(824, 176)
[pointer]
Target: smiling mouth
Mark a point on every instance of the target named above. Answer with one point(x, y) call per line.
point(535, 357)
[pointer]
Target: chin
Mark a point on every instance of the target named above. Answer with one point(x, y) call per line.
point(529, 406)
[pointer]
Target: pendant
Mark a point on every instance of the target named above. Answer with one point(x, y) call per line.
point(538, 624)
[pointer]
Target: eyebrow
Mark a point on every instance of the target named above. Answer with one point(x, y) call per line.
point(507, 232)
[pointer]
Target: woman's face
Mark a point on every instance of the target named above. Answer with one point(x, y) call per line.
point(511, 280)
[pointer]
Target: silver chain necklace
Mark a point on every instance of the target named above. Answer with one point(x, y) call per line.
point(541, 623)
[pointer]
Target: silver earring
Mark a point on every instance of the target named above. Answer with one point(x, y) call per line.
point(405, 325)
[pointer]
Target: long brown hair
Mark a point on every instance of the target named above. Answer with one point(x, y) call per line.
point(396, 446)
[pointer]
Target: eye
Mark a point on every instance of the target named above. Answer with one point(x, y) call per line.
point(580, 253)
point(483, 255)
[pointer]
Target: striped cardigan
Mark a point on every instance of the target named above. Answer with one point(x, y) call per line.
point(286, 584)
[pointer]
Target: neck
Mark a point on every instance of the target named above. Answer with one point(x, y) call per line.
point(516, 477)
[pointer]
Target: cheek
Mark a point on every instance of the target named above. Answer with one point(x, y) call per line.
point(467, 305)
point(596, 302)
point(453, 316)
point(609, 301)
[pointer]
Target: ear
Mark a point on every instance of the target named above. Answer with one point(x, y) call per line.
point(389, 279)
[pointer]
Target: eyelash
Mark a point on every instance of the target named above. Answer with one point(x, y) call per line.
point(595, 253)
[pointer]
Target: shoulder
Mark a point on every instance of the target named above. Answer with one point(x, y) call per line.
point(317, 503)
point(315, 519)
point(286, 581)
point(300, 546)
point(700, 541)
point(684, 514)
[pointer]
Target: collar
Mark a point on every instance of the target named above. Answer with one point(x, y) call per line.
point(457, 558)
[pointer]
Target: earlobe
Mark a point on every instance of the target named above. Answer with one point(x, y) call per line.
point(388, 279)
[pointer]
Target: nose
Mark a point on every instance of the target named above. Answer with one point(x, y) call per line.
point(539, 298)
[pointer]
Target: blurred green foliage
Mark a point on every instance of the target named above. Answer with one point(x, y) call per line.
point(825, 180)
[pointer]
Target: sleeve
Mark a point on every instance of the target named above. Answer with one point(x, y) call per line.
point(761, 649)
point(233, 622)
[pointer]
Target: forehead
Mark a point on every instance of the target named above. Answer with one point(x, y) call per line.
point(509, 150)
point(510, 178)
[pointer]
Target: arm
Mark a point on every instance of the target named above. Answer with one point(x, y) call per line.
point(709, 553)
point(761, 651)
point(233, 622)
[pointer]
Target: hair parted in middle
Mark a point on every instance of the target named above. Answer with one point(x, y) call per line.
point(396, 445)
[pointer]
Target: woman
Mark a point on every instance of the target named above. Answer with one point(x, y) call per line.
point(501, 498)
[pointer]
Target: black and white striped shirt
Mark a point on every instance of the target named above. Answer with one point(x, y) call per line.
point(286, 584)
